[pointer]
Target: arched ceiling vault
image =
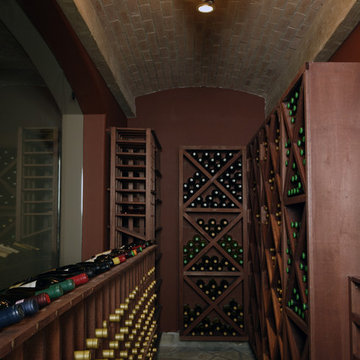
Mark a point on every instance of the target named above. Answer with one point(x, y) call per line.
point(254, 46)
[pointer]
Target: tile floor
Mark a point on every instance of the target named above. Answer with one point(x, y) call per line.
point(171, 348)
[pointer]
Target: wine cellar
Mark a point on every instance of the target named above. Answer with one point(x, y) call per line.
point(179, 180)
point(212, 247)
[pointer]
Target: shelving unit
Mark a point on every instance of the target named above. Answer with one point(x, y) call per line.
point(212, 251)
point(134, 186)
point(300, 246)
point(37, 190)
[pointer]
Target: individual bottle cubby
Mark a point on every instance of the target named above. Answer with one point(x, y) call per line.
point(134, 186)
point(212, 247)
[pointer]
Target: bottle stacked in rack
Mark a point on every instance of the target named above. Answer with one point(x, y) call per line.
point(233, 248)
point(131, 331)
point(192, 248)
point(213, 200)
point(213, 327)
point(212, 289)
point(212, 161)
point(212, 228)
point(213, 263)
point(231, 179)
point(292, 106)
point(296, 187)
point(191, 314)
point(235, 311)
point(193, 184)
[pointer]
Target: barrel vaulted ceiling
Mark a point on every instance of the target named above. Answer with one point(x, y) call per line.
point(254, 46)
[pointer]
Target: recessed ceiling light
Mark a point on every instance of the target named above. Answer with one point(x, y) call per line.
point(206, 6)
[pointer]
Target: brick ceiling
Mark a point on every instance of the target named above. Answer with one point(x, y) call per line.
point(255, 46)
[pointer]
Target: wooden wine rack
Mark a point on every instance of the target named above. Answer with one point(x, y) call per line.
point(37, 191)
point(299, 256)
point(134, 186)
point(114, 314)
point(227, 163)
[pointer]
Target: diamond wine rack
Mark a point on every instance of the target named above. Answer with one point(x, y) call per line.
point(295, 170)
point(213, 270)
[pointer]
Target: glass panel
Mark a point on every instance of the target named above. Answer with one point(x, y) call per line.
point(29, 168)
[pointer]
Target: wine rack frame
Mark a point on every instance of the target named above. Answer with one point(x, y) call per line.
point(37, 193)
point(63, 326)
point(300, 260)
point(236, 225)
point(134, 152)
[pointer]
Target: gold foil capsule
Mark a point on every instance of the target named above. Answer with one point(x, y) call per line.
point(108, 353)
point(119, 337)
point(92, 343)
point(120, 312)
point(114, 318)
point(101, 333)
point(124, 306)
point(124, 330)
point(123, 354)
point(114, 344)
point(82, 355)
point(127, 344)
point(128, 322)
point(131, 337)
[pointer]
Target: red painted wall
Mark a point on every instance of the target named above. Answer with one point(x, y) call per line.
point(349, 51)
point(193, 116)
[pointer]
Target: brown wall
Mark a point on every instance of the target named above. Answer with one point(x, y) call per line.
point(350, 50)
point(193, 116)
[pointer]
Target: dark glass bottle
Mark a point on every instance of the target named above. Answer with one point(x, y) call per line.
point(11, 315)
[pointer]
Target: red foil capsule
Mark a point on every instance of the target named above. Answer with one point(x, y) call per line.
point(80, 279)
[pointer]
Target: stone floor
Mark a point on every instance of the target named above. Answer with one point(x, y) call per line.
point(171, 348)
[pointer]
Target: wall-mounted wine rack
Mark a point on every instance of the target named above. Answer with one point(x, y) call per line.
point(37, 191)
point(298, 254)
point(212, 248)
point(134, 186)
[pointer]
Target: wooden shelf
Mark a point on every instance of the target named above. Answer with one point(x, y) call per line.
point(126, 227)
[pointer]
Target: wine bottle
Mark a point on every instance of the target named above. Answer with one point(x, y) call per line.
point(44, 282)
point(22, 292)
point(197, 310)
point(11, 315)
point(200, 283)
